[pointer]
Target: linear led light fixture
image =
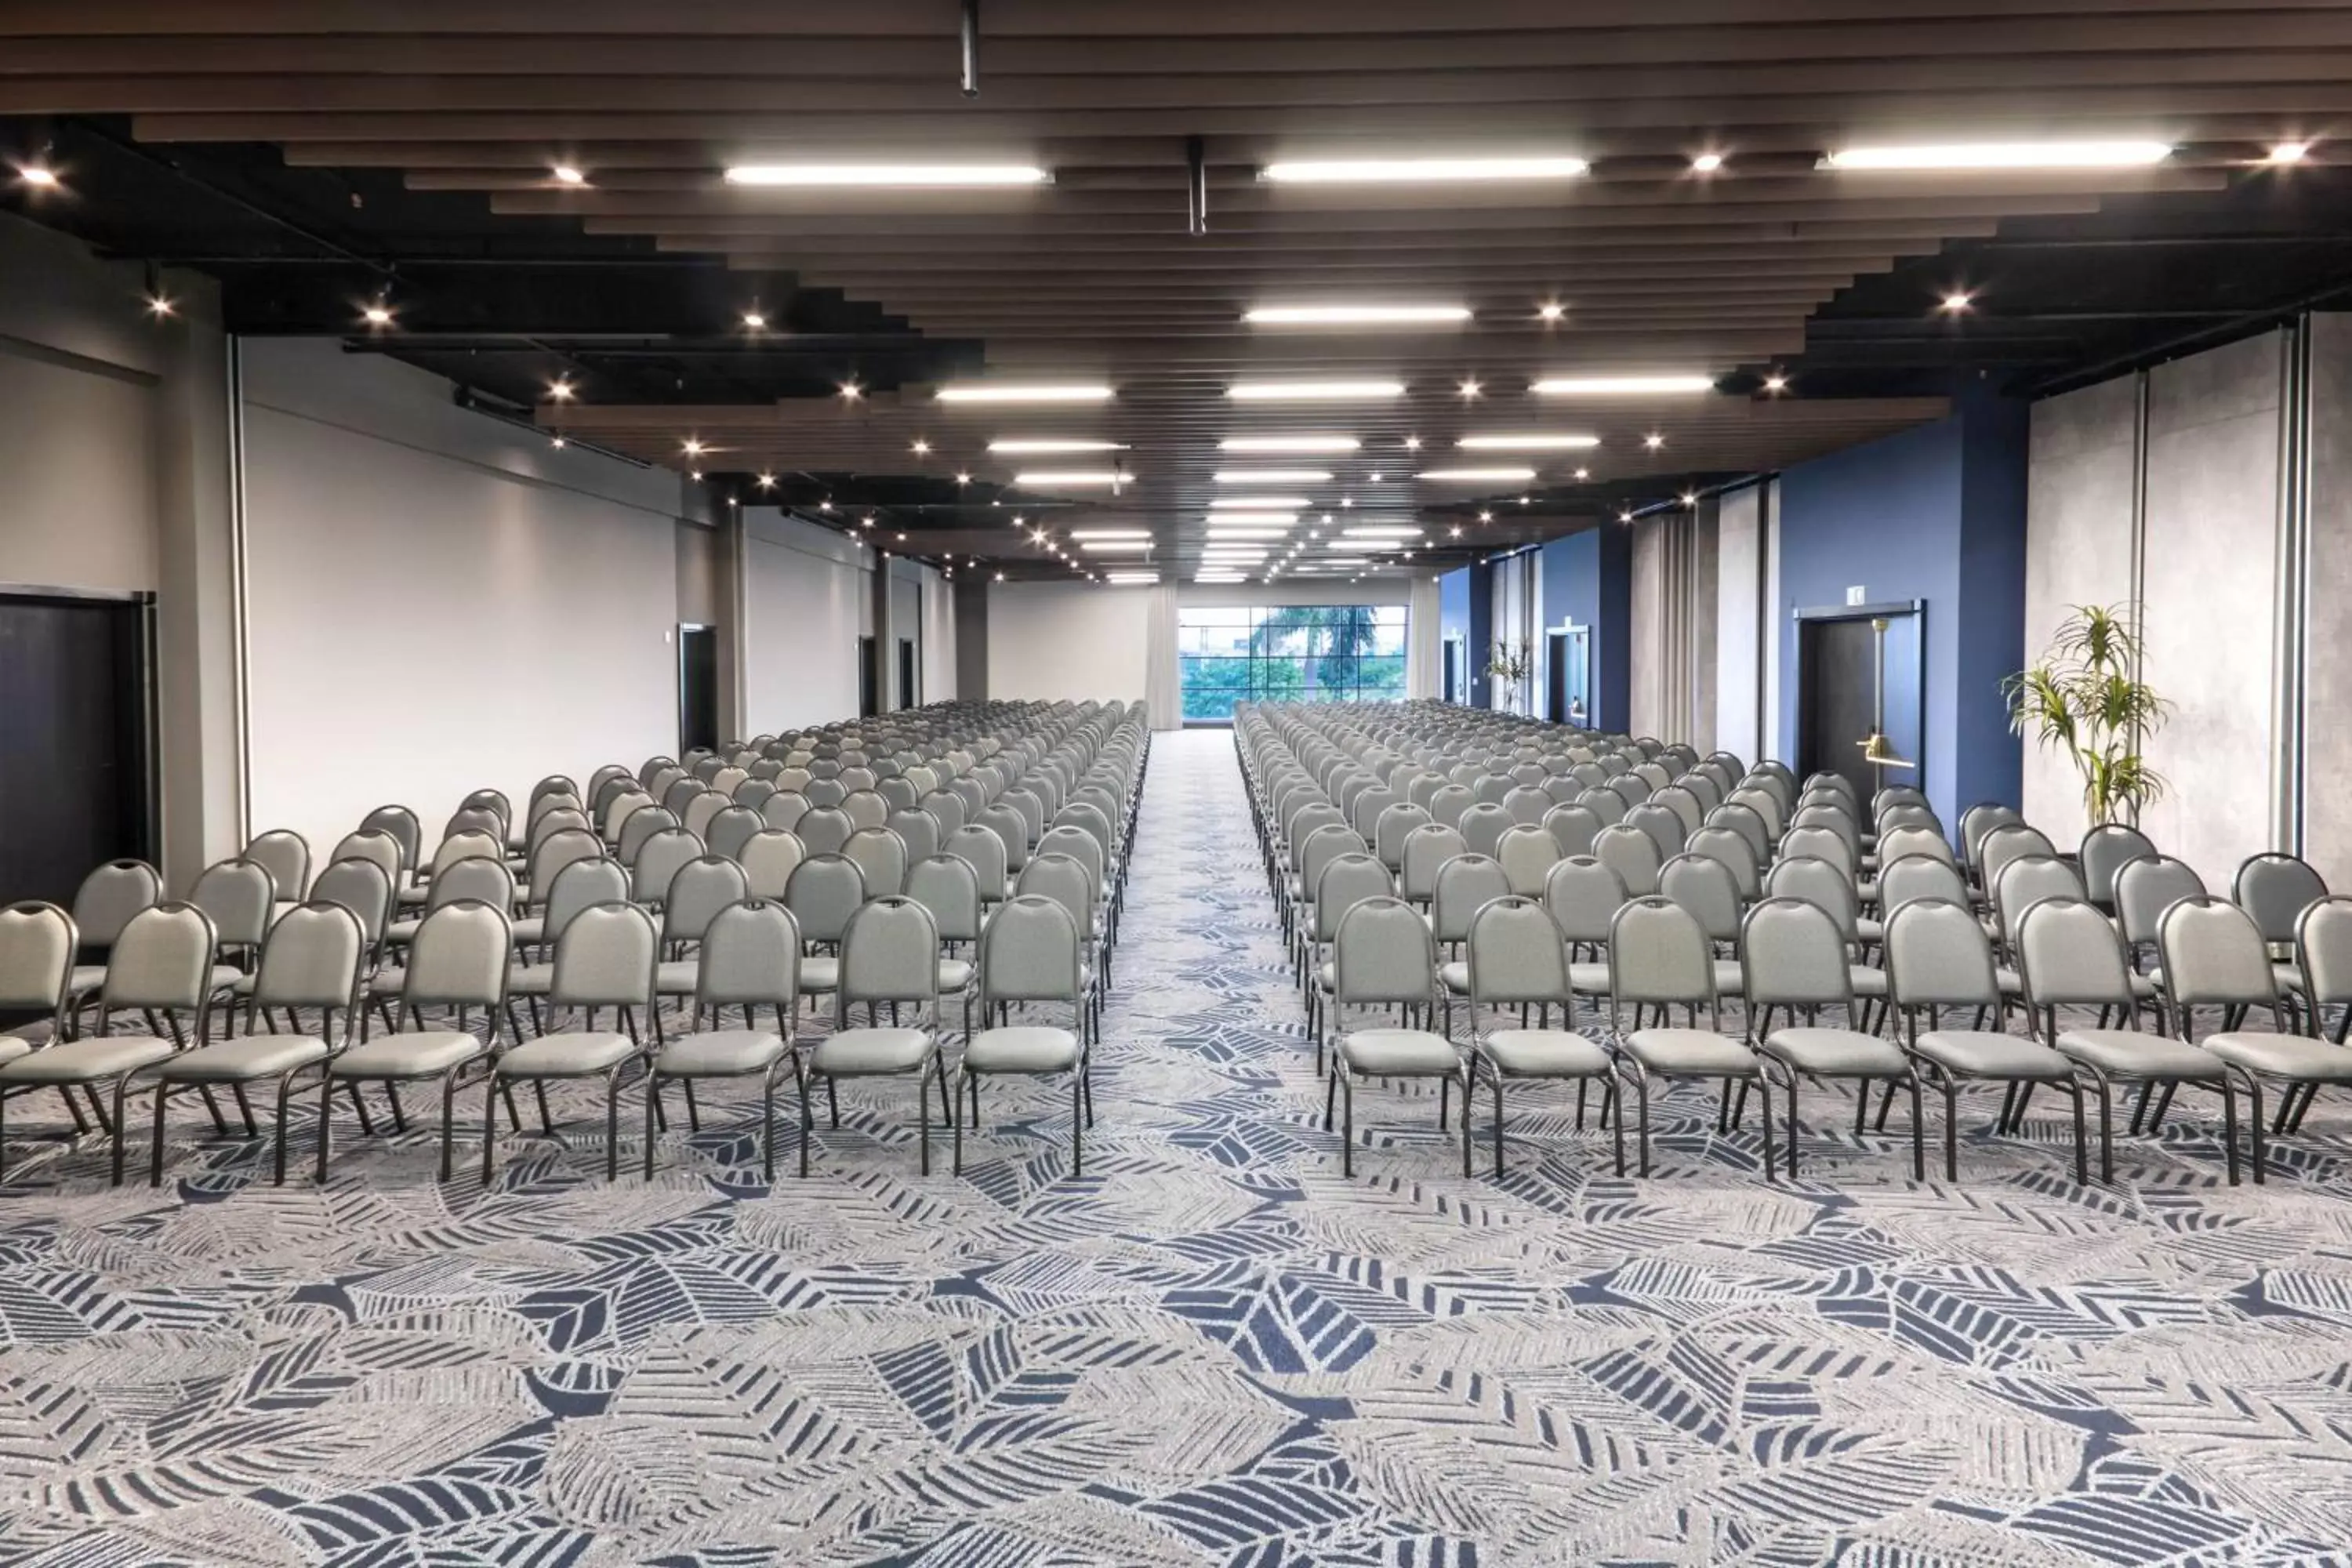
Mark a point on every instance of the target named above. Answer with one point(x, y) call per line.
point(1024, 391)
point(2001, 155)
point(1047, 448)
point(1272, 476)
point(1356, 315)
point(1274, 525)
point(880, 176)
point(1375, 171)
point(1039, 477)
point(1219, 578)
point(1477, 475)
point(1530, 443)
point(1117, 546)
point(1249, 536)
point(1258, 503)
point(1381, 533)
point(1288, 443)
point(1132, 579)
point(1312, 391)
point(1086, 533)
point(1620, 386)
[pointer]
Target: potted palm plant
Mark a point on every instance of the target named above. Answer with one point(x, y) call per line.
point(2083, 695)
point(1510, 664)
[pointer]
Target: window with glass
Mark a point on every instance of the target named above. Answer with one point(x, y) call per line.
point(1287, 653)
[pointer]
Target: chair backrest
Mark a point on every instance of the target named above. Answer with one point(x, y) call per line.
point(488, 881)
point(1980, 820)
point(162, 958)
point(890, 952)
point(1743, 820)
point(951, 811)
point(1033, 951)
point(658, 861)
point(1526, 804)
point(1658, 954)
point(947, 886)
point(361, 887)
point(1793, 954)
point(1938, 956)
point(2024, 882)
point(699, 812)
point(768, 858)
point(605, 957)
point(1396, 822)
point(1011, 831)
point(2068, 954)
point(824, 829)
point(729, 830)
point(241, 896)
point(371, 844)
point(458, 959)
point(1465, 884)
point(1447, 804)
point(2214, 956)
point(1821, 883)
point(919, 831)
point(1685, 804)
point(2107, 850)
point(1482, 826)
point(2276, 889)
point(1664, 828)
point(823, 892)
point(2012, 842)
point(1067, 881)
point(642, 825)
point(1527, 855)
point(881, 855)
point(1629, 787)
point(1583, 896)
point(1427, 848)
point(1631, 854)
point(37, 945)
point(1919, 878)
point(784, 810)
point(581, 885)
point(1383, 952)
point(696, 893)
point(751, 957)
point(402, 824)
point(313, 958)
point(1705, 887)
point(1515, 954)
point(285, 854)
point(2323, 942)
point(1902, 843)
point(110, 896)
point(1573, 828)
point(982, 848)
point(1078, 844)
point(1819, 843)
point(866, 808)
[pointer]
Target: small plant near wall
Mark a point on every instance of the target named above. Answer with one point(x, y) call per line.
point(2082, 697)
point(1511, 664)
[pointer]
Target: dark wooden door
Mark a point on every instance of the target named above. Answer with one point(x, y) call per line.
point(698, 689)
point(908, 693)
point(869, 682)
point(1837, 698)
point(73, 729)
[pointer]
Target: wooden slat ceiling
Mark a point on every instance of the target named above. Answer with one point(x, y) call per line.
point(1655, 268)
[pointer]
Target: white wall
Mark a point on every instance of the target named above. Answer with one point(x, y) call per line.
point(78, 494)
point(1055, 641)
point(1739, 601)
point(806, 601)
point(438, 601)
point(938, 650)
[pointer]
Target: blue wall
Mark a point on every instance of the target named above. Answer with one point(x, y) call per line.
point(1465, 609)
point(1936, 513)
point(1587, 579)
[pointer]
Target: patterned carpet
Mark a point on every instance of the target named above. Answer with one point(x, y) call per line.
point(1213, 1349)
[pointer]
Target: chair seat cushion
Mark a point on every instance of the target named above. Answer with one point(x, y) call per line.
point(83, 1061)
point(388, 982)
point(2282, 1056)
point(1691, 1053)
point(423, 1054)
point(853, 1053)
point(530, 931)
point(86, 977)
point(227, 977)
point(1589, 979)
point(15, 1043)
point(247, 1057)
point(820, 974)
point(1838, 1053)
point(1981, 1053)
point(1728, 980)
point(1023, 1048)
point(2288, 976)
point(1454, 977)
point(578, 1053)
point(1872, 931)
point(720, 1053)
point(2010, 983)
point(955, 973)
point(1399, 1053)
point(402, 932)
point(677, 977)
point(1866, 981)
point(2137, 1055)
point(1546, 1053)
point(530, 979)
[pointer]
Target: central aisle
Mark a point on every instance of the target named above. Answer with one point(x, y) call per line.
point(1211, 1350)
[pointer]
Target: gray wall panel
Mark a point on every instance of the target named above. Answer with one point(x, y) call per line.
point(1739, 663)
point(2327, 799)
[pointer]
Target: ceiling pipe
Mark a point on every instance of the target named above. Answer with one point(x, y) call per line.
point(1196, 186)
point(971, 48)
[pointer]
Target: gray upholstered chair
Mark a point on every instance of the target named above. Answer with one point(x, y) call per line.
point(1032, 952)
point(1382, 955)
point(605, 956)
point(1659, 958)
point(890, 953)
point(1795, 956)
point(749, 958)
point(1517, 957)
